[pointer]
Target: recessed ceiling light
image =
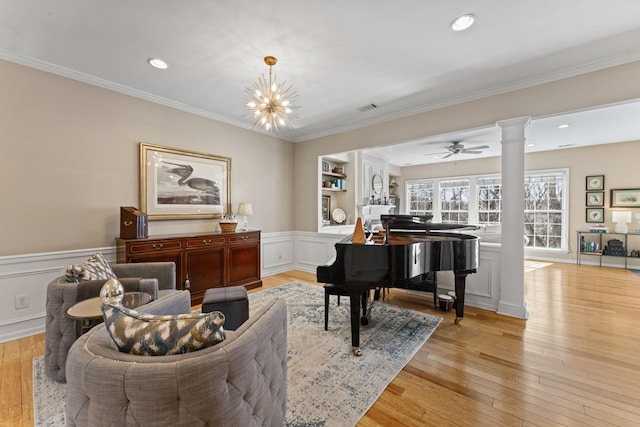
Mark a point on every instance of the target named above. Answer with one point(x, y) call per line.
point(531, 144)
point(157, 63)
point(463, 22)
point(564, 126)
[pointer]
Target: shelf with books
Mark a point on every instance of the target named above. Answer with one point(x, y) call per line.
point(606, 244)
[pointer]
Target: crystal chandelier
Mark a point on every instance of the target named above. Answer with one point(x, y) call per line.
point(270, 104)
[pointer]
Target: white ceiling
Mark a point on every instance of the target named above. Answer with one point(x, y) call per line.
point(339, 55)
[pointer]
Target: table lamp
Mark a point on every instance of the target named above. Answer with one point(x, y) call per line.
point(621, 218)
point(245, 209)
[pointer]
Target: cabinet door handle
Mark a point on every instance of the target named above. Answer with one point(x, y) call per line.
point(158, 246)
point(245, 237)
point(207, 241)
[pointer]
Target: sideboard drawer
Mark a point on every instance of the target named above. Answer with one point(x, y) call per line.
point(158, 245)
point(245, 238)
point(204, 241)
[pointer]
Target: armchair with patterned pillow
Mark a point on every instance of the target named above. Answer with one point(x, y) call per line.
point(139, 369)
point(85, 281)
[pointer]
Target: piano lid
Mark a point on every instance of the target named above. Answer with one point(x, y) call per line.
point(407, 219)
point(419, 222)
point(415, 223)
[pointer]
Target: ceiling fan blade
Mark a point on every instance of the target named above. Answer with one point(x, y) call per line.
point(449, 155)
point(471, 152)
point(479, 147)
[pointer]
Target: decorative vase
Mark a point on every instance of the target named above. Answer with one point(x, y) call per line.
point(112, 292)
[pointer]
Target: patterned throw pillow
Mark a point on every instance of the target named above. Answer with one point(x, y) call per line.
point(152, 335)
point(95, 268)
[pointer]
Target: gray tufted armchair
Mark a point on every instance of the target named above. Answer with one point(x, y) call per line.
point(156, 278)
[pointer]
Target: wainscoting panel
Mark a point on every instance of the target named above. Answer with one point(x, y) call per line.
point(483, 287)
point(479, 283)
point(277, 253)
point(28, 275)
point(314, 249)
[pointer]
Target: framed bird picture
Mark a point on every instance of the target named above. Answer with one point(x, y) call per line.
point(179, 184)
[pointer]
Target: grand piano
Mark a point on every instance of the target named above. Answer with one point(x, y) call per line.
point(405, 254)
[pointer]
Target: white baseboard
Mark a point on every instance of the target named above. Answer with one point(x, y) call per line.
point(513, 310)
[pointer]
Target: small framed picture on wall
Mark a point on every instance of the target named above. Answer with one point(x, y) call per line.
point(595, 198)
point(595, 182)
point(595, 215)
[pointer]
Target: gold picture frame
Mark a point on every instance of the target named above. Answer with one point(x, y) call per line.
point(181, 184)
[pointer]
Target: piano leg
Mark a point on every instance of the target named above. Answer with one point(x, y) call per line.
point(460, 285)
point(364, 320)
point(354, 302)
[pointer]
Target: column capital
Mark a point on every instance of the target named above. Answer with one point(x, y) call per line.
point(513, 129)
point(520, 121)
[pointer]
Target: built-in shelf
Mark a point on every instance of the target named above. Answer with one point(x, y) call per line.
point(328, 176)
point(335, 175)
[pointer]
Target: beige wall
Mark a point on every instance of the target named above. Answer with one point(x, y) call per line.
point(617, 162)
point(612, 85)
point(69, 155)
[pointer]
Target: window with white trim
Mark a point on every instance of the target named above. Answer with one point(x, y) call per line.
point(420, 197)
point(454, 201)
point(543, 203)
point(489, 200)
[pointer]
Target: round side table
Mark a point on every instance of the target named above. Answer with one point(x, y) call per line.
point(89, 314)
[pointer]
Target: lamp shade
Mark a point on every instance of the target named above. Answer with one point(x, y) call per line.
point(621, 216)
point(245, 208)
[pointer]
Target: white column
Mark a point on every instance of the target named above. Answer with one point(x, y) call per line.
point(512, 301)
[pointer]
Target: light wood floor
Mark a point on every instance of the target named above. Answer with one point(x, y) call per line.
point(575, 362)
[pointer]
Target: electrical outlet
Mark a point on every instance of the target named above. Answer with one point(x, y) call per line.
point(22, 301)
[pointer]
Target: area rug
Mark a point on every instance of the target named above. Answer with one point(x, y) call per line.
point(327, 384)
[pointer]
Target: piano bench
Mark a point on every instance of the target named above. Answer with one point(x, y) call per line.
point(232, 301)
point(331, 289)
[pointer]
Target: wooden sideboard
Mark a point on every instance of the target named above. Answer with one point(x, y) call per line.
point(203, 260)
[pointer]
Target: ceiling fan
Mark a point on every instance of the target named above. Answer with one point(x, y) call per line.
point(456, 147)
